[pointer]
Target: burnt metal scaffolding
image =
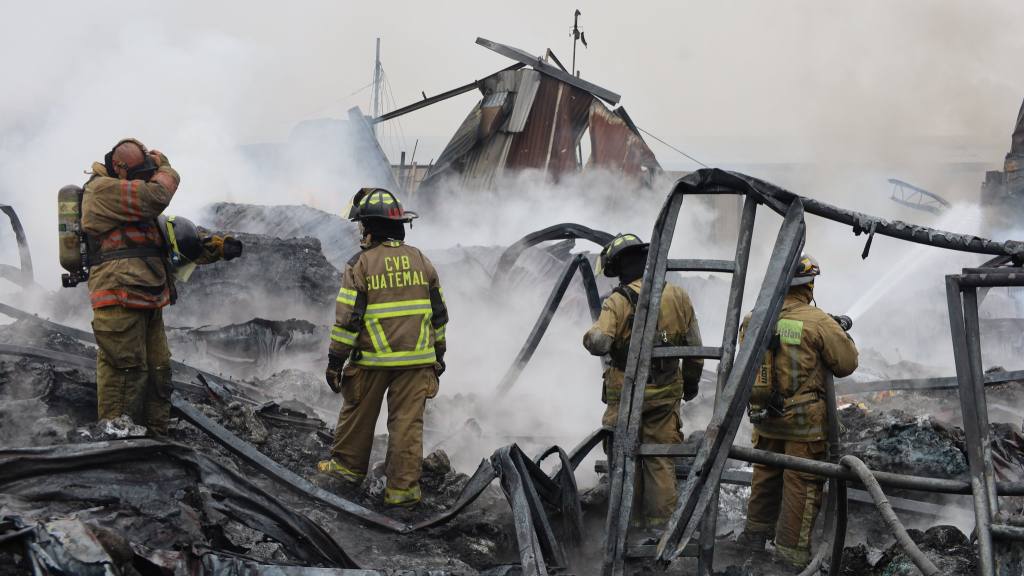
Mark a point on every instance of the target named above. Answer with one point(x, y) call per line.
point(22, 275)
point(578, 263)
point(991, 523)
point(911, 196)
point(696, 510)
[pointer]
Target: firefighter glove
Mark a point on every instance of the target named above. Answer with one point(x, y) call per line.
point(439, 365)
point(335, 365)
point(232, 248)
point(690, 389)
point(845, 322)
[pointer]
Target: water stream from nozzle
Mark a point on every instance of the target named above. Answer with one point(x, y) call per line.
point(963, 218)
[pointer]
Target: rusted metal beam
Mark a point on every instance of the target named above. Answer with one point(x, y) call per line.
point(543, 67)
point(438, 98)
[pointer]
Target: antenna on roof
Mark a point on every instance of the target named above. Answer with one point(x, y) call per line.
point(577, 36)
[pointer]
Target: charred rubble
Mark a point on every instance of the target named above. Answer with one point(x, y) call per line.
point(84, 496)
point(233, 489)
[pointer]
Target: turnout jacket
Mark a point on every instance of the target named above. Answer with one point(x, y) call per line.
point(121, 215)
point(390, 311)
point(677, 326)
point(810, 343)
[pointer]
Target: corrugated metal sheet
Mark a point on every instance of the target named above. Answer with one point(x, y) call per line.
point(496, 100)
point(555, 125)
point(616, 145)
point(462, 142)
point(526, 91)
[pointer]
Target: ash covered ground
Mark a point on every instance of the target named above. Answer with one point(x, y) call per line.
point(129, 505)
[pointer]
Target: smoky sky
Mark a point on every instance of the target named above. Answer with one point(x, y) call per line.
point(741, 81)
point(853, 92)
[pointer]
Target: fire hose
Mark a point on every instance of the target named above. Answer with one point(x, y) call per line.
point(885, 510)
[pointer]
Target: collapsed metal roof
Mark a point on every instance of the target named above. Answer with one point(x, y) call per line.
point(533, 115)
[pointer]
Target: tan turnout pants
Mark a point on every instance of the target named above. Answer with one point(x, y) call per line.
point(407, 392)
point(133, 371)
point(786, 502)
point(656, 495)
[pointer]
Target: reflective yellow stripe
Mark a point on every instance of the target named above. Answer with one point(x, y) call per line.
point(402, 496)
point(424, 340)
point(413, 358)
point(332, 466)
point(346, 296)
point(339, 334)
point(380, 340)
point(398, 308)
point(439, 333)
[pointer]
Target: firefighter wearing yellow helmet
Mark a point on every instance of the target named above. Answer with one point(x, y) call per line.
point(787, 409)
point(388, 340)
point(624, 257)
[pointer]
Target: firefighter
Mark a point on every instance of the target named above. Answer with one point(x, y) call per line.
point(625, 257)
point(388, 340)
point(129, 283)
point(787, 409)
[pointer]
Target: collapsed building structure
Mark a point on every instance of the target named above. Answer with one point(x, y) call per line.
point(1002, 192)
point(532, 116)
point(233, 490)
point(234, 497)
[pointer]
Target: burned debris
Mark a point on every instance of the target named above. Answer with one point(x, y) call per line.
point(235, 443)
point(234, 486)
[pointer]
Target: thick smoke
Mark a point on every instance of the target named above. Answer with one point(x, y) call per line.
point(847, 96)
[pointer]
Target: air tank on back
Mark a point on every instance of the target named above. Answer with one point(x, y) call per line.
point(73, 250)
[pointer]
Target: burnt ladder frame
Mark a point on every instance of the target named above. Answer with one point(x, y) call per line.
point(700, 492)
point(962, 298)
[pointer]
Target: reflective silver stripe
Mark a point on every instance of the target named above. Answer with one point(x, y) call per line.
point(397, 358)
point(424, 338)
point(380, 341)
point(346, 296)
point(339, 334)
point(376, 311)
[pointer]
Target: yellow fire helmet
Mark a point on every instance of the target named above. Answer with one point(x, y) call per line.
point(806, 270)
point(608, 261)
point(377, 203)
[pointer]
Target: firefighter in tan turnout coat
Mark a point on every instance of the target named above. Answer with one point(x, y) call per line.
point(129, 280)
point(388, 341)
point(787, 409)
point(625, 257)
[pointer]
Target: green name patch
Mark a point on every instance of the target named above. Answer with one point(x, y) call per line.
point(790, 331)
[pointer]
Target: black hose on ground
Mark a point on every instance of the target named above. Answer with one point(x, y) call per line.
point(885, 510)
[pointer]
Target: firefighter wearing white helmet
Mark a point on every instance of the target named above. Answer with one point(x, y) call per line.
point(388, 341)
point(624, 257)
point(787, 409)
